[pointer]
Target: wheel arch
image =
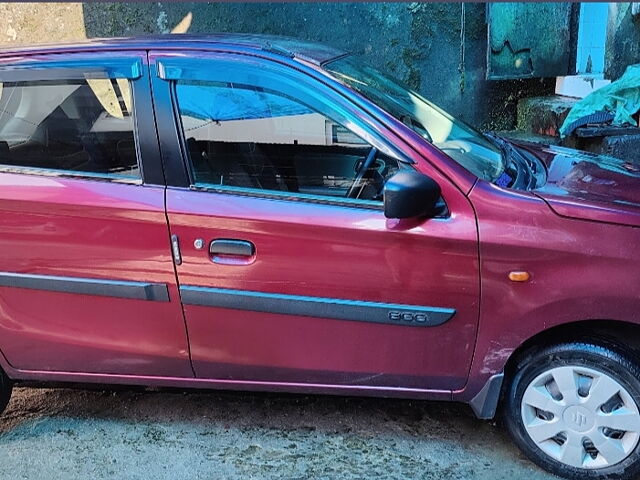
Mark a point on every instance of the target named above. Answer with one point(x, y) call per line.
point(622, 335)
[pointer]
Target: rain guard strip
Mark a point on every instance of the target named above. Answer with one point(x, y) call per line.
point(75, 66)
point(87, 286)
point(373, 312)
point(227, 68)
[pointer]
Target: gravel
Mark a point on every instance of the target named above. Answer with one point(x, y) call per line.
point(146, 434)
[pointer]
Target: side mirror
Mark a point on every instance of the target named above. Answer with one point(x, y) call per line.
point(409, 194)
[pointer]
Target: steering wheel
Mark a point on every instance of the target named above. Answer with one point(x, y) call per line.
point(354, 190)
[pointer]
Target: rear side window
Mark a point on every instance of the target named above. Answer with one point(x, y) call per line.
point(254, 138)
point(79, 126)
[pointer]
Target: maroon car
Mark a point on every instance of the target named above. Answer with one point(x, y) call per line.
point(258, 213)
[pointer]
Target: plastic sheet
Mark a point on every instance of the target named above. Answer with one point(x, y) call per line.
point(620, 98)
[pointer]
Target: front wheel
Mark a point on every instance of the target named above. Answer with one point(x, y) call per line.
point(574, 410)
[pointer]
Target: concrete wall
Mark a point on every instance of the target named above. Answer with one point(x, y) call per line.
point(420, 43)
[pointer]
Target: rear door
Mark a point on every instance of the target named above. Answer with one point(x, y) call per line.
point(86, 275)
point(289, 270)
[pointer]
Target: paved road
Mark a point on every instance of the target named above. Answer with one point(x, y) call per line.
point(96, 434)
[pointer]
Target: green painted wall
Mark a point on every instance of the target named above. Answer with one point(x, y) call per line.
point(623, 40)
point(420, 43)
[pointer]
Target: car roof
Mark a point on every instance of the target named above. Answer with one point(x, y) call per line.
point(291, 47)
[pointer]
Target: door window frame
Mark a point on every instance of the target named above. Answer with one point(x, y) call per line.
point(131, 65)
point(168, 67)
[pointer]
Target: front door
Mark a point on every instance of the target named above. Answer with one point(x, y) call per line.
point(86, 275)
point(288, 269)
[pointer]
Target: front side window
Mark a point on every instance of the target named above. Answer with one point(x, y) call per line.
point(82, 127)
point(245, 136)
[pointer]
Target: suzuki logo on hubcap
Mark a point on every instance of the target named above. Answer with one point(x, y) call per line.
point(578, 418)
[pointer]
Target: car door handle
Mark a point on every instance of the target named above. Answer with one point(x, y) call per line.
point(227, 246)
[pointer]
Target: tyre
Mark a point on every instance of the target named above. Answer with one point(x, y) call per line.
point(6, 386)
point(573, 409)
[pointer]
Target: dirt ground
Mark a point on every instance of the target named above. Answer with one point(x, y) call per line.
point(134, 434)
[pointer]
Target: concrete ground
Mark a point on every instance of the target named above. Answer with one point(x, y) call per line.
point(127, 434)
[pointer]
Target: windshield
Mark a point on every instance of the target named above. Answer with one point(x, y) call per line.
point(464, 144)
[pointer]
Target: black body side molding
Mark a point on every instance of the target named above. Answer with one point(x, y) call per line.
point(339, 309)
point(87, 286)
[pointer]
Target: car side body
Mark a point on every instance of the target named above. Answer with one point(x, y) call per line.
point(108, 280)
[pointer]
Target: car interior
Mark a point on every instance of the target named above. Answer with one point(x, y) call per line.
point(64, 126)
point(325, 170)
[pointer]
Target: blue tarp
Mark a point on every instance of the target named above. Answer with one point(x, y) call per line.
point(208, 102)
point(620, 98)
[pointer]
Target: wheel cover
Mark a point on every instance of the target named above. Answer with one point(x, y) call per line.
point(581, 417)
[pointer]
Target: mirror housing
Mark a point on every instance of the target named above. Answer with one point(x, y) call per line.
point(410, 194)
